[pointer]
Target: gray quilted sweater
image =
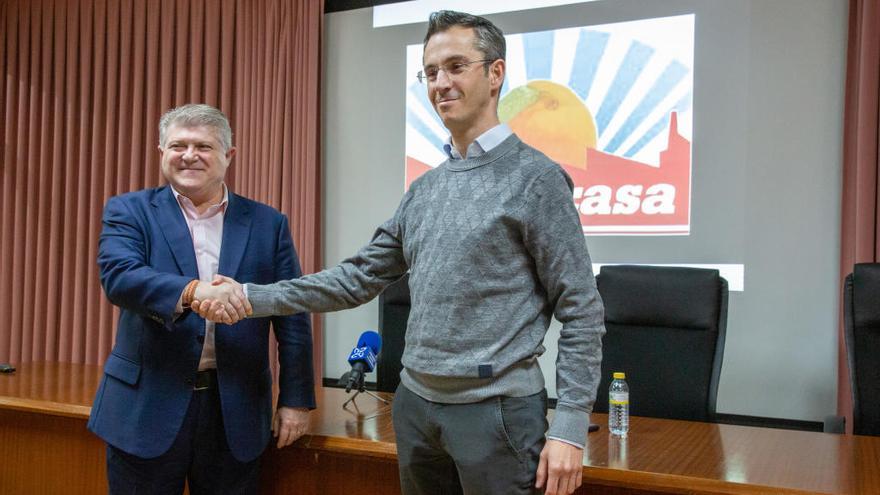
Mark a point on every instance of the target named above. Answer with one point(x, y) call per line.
point(495, 249)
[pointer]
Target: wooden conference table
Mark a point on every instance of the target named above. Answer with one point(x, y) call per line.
point(45, 448)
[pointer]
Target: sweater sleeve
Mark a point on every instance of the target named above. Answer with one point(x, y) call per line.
point(555, 239)
point(351, 283)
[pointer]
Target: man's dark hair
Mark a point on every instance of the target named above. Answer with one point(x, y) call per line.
point(488, 38)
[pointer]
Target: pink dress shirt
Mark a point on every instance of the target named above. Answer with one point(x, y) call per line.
point(206, 231)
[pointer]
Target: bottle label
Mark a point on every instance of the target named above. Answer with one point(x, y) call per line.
point(618, 398)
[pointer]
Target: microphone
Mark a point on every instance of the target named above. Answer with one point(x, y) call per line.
point(363, 359)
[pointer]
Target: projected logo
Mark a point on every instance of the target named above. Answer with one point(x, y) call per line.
point(612, 104)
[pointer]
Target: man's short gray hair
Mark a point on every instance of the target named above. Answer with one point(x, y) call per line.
point(195, 115)
point(488, 37)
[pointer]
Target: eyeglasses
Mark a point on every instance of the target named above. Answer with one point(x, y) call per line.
point(430, 74)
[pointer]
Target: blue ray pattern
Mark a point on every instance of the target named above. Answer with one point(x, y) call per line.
point(538, 49)
point(633, 63)
point(681, 106)
point(421, 94)
point(672, 74)
point(590, 48)
point(423, 129)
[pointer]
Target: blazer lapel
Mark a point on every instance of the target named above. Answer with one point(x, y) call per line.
point(176, 232)
point(236, 232)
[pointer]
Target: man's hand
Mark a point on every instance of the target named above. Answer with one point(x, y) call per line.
point(289, 424)
point(223, 301)
point(561, 467)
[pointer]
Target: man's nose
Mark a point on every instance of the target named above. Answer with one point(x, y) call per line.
point(443, 79)
point(439, 91)
point(190, 155)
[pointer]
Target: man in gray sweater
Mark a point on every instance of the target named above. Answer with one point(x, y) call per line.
point(495, 249)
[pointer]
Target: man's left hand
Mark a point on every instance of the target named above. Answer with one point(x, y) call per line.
point(289, 424)
point(561, 468)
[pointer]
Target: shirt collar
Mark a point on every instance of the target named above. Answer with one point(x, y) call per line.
point(189, 208)
point(484, 143)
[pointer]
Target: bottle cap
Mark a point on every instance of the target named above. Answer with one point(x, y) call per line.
point(619, 375)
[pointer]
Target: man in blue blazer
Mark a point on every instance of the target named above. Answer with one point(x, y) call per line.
point(183, 399)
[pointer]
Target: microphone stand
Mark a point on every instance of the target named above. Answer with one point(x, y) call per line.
point(360, 388)
point(344, 404)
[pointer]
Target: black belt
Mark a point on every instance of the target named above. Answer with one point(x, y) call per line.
point(206, 379)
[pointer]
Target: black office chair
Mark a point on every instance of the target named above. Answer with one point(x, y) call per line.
point(665, 330)
point(394, 304)
point(861, 317)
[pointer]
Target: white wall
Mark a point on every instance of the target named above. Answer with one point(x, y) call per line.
point(768, 104)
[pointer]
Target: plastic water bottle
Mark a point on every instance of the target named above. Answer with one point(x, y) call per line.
point(618, 405)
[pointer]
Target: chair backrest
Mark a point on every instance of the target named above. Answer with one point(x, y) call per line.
point(394, 304)
point(665, 330)
point(861, 316)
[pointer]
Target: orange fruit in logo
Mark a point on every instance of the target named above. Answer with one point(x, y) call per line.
point(550, 117)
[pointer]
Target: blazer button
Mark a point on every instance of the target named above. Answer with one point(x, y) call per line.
point(200, 339)
point(188, 381)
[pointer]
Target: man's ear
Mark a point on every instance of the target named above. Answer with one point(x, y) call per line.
point(496, 73)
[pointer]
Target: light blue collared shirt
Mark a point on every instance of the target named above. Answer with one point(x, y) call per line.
point(483, 144)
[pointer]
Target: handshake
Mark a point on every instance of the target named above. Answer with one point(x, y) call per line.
point(221, 301)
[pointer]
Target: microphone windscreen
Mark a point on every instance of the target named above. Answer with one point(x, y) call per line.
point(372, 340)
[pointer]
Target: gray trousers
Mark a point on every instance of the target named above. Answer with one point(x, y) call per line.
point(488, 447)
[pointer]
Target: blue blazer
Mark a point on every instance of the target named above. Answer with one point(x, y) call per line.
point(146, 258)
